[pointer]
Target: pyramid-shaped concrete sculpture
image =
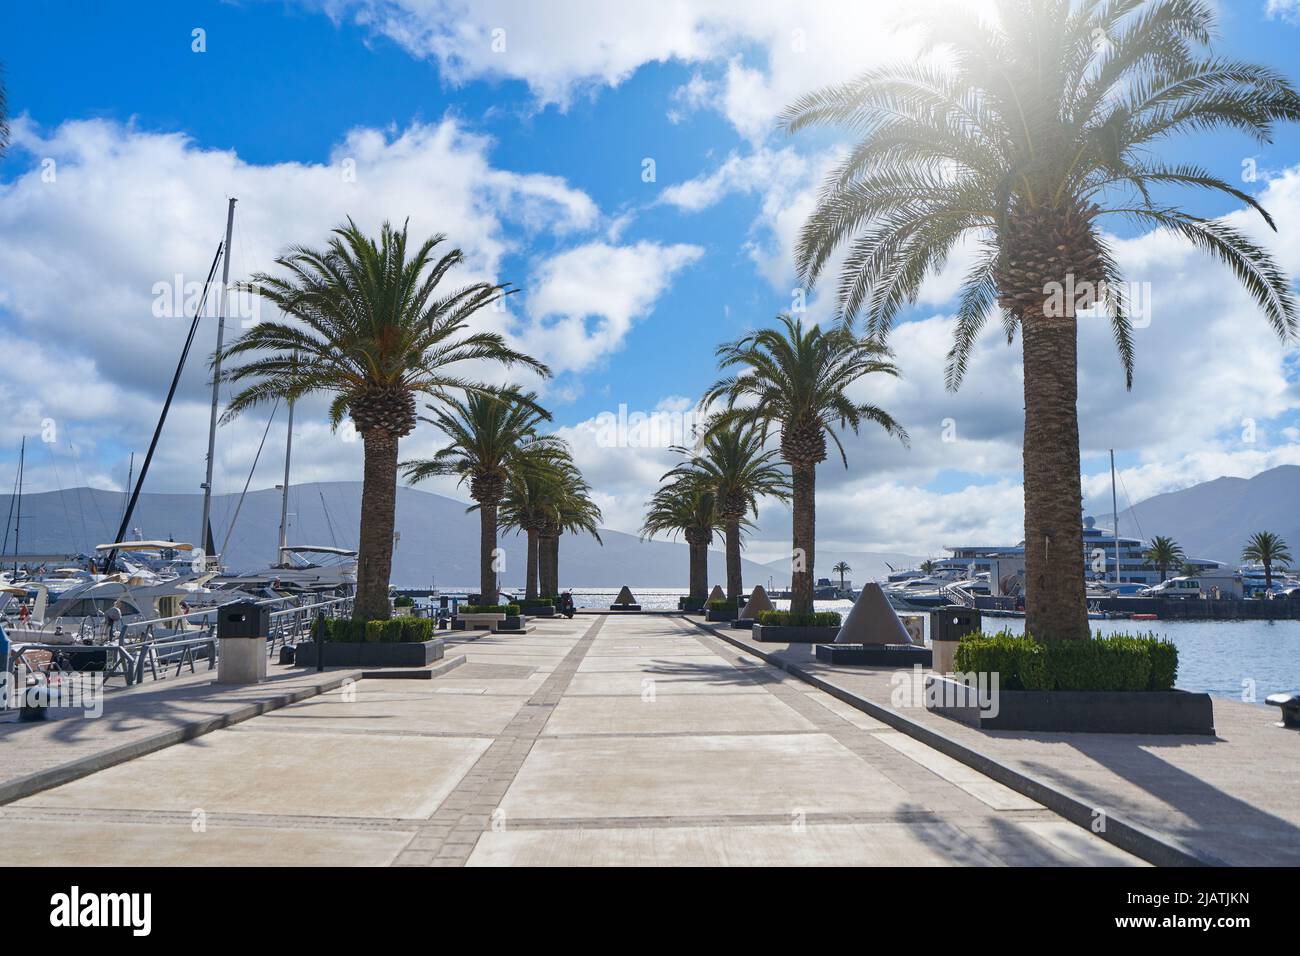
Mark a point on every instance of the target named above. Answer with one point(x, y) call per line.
point(625, 596)
point(873, 620)
point(716, 594)
point(758, 603)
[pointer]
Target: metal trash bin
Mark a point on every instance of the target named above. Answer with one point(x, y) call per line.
point(242, 629)
point(948, 625)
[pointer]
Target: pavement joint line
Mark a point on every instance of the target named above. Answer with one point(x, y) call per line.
point(471, 803)
point(1128, 836)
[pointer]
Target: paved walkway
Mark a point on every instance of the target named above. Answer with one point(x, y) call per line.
point(607, 740)
point(1227, 799)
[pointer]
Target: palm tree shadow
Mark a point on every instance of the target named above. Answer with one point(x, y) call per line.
point(721, 675)
point(1206, 820)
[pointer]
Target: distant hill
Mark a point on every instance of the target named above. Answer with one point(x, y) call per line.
point(438, 538)
point(1214, 519)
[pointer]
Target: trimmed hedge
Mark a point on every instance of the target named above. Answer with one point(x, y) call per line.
point(723, 605)
point(790, 619)
point(403, 600)
point(1121, 662)
point(509, 610)
point(396, 630)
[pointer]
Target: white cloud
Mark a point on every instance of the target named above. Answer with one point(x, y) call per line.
point(127, 209)
point(584, 300)
point(759, 55)
point(1288, 10)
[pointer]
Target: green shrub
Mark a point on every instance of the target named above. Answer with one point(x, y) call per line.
point(723, 605)
point(397, 630)
point(790, 619)
point(1120, 662)
point(416, 630)
point(344, 630)
point(403, 601)
point(384, 632)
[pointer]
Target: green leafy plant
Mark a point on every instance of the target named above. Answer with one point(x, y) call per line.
point(1120, 662)
point(397, 630)
point(792, 619)
point(509, 610)
point(403, 601)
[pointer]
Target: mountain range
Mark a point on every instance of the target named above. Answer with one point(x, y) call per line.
point(438, 540)
point(1213, 519)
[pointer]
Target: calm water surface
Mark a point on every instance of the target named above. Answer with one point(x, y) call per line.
point(1236, 659)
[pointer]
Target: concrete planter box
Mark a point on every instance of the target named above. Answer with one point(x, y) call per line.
point(690, 605)
point(625, 607)
point(794, 635)
point(875, 655)
point(743, 623)
point(547, 611)
point(350, 654)
point(721, 616)
point(512, 623)
point(1073, 711)
point(476, 622)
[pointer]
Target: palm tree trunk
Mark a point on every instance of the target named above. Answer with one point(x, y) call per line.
point(487, 551)
point(698, 552)
point(378, 503)
point(553, 565)
point(1268, 576)
point(734, 583)
point(804, 506)
point(530, 585)
point(1055, 595)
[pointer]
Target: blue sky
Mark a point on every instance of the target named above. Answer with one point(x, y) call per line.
point(532, 158)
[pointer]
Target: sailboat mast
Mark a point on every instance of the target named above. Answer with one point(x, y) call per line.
point(18, 525)
point(284, 499)
point(216, 379)
point(1114, 509)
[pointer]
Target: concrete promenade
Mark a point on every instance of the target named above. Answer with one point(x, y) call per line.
point(1228, 799)
point(602, 740)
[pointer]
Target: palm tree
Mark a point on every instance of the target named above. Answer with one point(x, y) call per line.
point(531, 490)
point(571, 510)
point(927, 566)
point(372, 330)
point(489, 432)
point(1164, 553)
point(687, 505)
point(797, 382)
point(842, 568)
point(1036, 125)
point(741, 472)
point(1266, 548)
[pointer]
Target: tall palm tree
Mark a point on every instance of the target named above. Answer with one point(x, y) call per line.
point(532, 489)
point(573, 511)
point(687, 505)
point(1032, 128)
point(489, 432)
point(797, 382)
point(1266, 548)
point(741, 472)
point(928, 566)
point(842, 568)
point(373, 330)
point(1164, 553)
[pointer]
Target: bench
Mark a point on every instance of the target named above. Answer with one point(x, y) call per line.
point(1290, 705)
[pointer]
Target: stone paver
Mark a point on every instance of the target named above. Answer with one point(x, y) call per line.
point(1230, 798)
point(601, 740)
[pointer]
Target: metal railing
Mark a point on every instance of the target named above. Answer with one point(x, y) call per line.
point(149, 648)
